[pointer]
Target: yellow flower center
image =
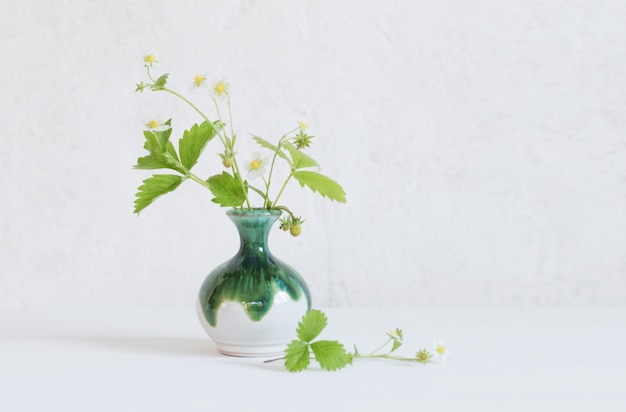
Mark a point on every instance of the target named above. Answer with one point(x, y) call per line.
point(441, 350)
point(153, 124)
point(220, 88)
point(255, 164)
point(149, 59)
point(303, 125)
point(198, 80)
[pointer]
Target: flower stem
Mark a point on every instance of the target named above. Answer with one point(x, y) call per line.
point(377, 349)
point(383, 356)
point(269, 177)
point(223, 136)
point(282, 189)
point(230, 121)
point(183, 98)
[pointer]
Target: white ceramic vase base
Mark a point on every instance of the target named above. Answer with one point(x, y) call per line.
point(237, 335)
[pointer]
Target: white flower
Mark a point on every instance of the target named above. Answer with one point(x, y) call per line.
point(199, 80)
point(441, 350)
point(256, 166)
point(220, 89)
point(156, 126)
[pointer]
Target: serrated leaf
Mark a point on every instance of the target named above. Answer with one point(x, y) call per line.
point(299, 159)
point(154, 187)
point(330, 354)
point(227, 190)
point(297, 356)
point(160, 82)
point(312, 324)
point(193, 143)
point(164, 135)
point(317, 182)
point(158, 159)
point(149, 163)
point(153, 142)
point(264, 143)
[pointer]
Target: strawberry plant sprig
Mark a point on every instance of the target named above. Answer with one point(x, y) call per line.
point(229, 188)
point(331, 355)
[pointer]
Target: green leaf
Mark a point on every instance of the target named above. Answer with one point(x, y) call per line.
point(193, 143)
point(297, 356)
point(299, 159)
point(317, 182)
point(312, 324)
point(159, 159)
point(172, 151)
point(264, 143)
point(227, 190)
point(330, 354)
point(396, 335)
point(160, 82)
point(164, 135)
point(162, 152)
point(153, 142)
point(150, 162)
point(154, 187)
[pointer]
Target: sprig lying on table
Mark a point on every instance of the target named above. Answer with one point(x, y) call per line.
point(331, 355)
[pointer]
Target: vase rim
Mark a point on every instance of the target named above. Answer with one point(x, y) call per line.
point(257, 211)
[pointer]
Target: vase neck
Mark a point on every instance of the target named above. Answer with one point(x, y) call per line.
point(254, 227)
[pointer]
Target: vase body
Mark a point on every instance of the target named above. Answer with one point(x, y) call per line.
point(251, 304)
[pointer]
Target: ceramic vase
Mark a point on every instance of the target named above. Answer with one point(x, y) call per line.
point(251, 304)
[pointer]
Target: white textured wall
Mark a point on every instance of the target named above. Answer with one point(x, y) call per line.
point(482, 145)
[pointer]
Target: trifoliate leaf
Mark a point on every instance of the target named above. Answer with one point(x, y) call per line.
point(317, 182)
point(330, 354)
point(154, 187)
point(299, 159)
point(227, 190)
point(264, 143)
point(297, 356)
point(312, 324)
point(193, 142)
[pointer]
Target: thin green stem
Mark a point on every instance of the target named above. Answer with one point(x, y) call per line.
point(223, 136)
point(150, 74)
point(197, 179)
point(269, 177)
point(236, 172)
point(282, 189)
point(258, 191)
point(285, 209)
point(183, 98)
point(379, 348)
point(230, 121)
point(383, 356)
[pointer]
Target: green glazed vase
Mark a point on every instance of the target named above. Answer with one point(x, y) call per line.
point(251, 304)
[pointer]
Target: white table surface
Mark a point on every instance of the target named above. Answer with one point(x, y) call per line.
point(501, 360)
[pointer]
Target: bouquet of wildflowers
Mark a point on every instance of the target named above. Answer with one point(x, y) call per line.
point(230, 188)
